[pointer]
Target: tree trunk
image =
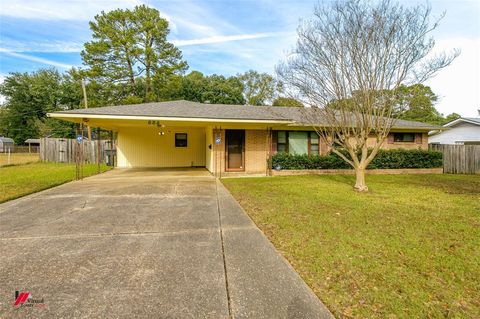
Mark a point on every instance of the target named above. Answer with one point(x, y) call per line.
point(148, 84)
point(360, 185)
point(131, 75)
point(149, 55)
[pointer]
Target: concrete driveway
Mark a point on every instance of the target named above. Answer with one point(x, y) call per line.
point(146, 244)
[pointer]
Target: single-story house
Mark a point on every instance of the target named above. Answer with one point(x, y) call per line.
point(225, 139)
point(6, 144)
point(462, 131)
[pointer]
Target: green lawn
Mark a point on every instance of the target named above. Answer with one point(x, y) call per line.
point(20, 180)
point(408, 249)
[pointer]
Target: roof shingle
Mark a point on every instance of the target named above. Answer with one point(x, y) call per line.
point(188, 109)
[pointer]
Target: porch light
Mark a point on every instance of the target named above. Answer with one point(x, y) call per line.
point(161, 133)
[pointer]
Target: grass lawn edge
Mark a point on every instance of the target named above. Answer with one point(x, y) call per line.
point(41, 189)
point(260, 204)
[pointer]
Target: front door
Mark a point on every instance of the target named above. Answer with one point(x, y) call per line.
point(235, 141)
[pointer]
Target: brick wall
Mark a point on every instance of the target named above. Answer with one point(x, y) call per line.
point(256, 151)
point(421, 141)
point(388, 144)
point(323, 147)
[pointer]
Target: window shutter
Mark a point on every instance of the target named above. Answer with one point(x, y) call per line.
point(418, 138)
point(390, 139)
point(287, 148)
point(274, 141)
point(309, 143)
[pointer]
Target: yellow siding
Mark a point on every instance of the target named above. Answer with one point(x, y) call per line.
point(144, 147)
point(209, 150)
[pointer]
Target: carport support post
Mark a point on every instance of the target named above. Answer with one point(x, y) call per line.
point(111, 149)
point(81, 151)
point(217, 156)
point(77, 155)
point(220, 159)
point(98, 150)
point(214, 151)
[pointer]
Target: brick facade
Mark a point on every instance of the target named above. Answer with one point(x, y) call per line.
point(257, 150)
point(219, 152)
point(256, 153)
point(421, 142)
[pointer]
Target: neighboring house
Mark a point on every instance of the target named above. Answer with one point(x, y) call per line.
point(463, 131)
point(6, 144)
point(221, 138)
point(33, 144)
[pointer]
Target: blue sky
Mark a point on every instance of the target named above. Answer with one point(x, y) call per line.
point(224, 37)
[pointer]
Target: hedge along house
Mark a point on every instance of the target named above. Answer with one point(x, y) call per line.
point(225, 139)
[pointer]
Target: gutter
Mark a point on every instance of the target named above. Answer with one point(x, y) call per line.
point(160, 118)
point(403, 128)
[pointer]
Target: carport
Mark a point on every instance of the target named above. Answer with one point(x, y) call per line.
point(230, 139)
point(150, 142)
point(161, 144)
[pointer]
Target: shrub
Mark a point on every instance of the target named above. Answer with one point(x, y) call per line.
point(397, 158)
point(400, 158)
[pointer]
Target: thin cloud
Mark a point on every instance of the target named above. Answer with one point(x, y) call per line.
point(225, 38)
point(36, 59)
point(47, 46)
point(61, 9)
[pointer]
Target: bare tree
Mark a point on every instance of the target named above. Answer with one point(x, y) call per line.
point(348, 63)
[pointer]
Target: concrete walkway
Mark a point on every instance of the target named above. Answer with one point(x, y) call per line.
point(144, 244)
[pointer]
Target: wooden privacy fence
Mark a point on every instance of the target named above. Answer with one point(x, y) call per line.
point(62, 150)
point(459, 159)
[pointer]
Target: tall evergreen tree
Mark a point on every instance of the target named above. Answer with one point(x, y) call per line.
point(128, 44)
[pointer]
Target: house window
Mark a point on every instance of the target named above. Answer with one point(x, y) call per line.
point(180, 139)
point(404, 137)
point(282, 142)
point(298, 142)
point(314, 143)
